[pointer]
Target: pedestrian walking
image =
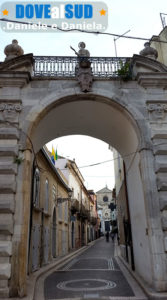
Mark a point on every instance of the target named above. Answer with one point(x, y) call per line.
point(107, 236)
point(112, 236)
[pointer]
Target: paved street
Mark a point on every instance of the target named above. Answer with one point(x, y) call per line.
point(93, 274)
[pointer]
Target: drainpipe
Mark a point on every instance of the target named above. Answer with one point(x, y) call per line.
point(129, 221)
point(30, 220)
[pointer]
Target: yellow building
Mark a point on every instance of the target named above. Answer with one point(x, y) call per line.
point(50, 218)
point(82, 221)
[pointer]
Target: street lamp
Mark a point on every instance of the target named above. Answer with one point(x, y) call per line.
point(70, 193)
point(115, 39)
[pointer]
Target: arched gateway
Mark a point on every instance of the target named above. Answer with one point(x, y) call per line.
point(129, 115)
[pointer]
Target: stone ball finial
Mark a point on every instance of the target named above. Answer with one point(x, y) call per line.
point(13, 50)
point(149, 52)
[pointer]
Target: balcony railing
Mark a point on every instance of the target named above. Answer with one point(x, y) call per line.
point(74, 206)
point(65, 66)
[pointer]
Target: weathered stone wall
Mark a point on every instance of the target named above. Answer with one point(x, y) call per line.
point(130, 116)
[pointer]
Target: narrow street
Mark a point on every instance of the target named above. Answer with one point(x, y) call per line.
point(95, 274)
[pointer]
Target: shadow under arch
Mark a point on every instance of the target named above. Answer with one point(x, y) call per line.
point(92, 115)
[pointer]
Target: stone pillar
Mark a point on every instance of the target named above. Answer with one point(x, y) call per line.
point(9, 136)
point(10, 160)
point(157, 112)
point(154, 228)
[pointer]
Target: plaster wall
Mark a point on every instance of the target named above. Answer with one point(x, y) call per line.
point(139, 222)
point(161, 47)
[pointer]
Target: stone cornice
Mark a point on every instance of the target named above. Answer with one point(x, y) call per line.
point(152, 80)
point(20, 63)
point(148, 64)
point(14, 78)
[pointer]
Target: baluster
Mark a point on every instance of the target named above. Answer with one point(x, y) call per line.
point(58, 66)
point(50, 69)
point(100, 68)
point(47, 66)
point(55, 59)
point(40, 67)
point(93, 66)
point(68, 64)
point(35, 67)
point(115, 67)
point(103, 67)
point(110, 62)
point(72, 67)
point(44, 66)
point(65, 66)
point(96, 67)
point(107, 68)
point(53, 67)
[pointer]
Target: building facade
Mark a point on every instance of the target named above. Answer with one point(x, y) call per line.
point(50, 214)
point(83, 205)
point(160, 47)
point(104, 200)
point(122, 207)
point(94, 219)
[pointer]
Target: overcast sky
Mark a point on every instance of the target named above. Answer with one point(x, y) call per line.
point(142, 18)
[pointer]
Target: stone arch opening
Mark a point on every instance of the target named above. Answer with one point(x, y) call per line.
point(114, 123)
point(94, 115)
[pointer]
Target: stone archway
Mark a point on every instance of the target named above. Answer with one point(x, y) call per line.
point(106, 119)
point(123, 114)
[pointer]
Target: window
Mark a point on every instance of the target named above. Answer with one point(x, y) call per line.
point(60, 211)
point(105, 199)
point(46, 206)
point(36, 188)
point(54, 193)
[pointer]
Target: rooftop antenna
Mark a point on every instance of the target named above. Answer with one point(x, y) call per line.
point(115, 39)
point(163, 21)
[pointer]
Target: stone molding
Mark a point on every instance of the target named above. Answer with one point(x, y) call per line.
point(163, 203)
point(162, 182)
point(9, 112)
point(10, 107)
point(85, 78)
point(144, 64)
point(157, 111)
point(152, 79)
point(14, 79)
point(20, 63)
point(9, 133)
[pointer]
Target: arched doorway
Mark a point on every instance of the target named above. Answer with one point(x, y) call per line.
point(108, 120)
point(121, 125)
point(54, 234)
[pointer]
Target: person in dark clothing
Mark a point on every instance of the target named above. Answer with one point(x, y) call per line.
point(113, 235)
point(107, 236)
